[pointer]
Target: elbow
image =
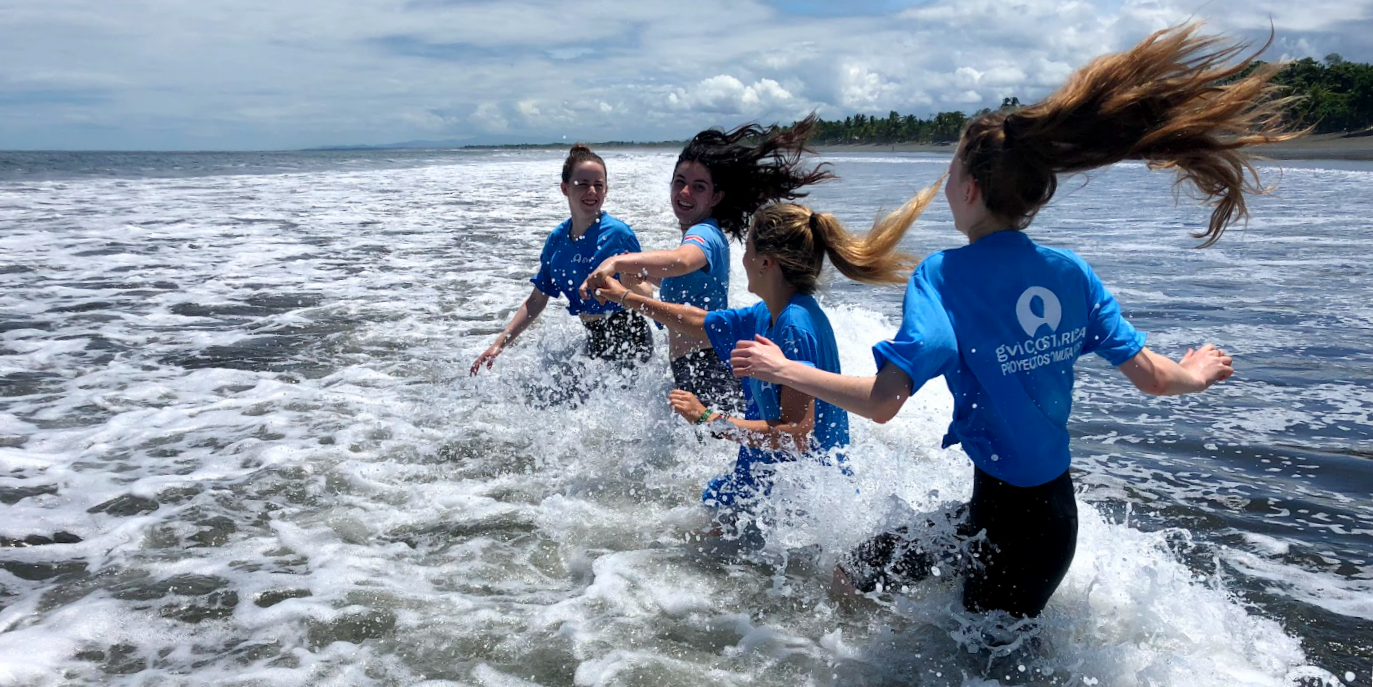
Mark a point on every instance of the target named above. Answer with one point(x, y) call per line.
point(883, 413)
point(1152, 386)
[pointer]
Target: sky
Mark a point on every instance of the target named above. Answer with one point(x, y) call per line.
point(290, 74)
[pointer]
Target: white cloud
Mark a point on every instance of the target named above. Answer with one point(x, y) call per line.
point(725, 94)
point(259, 73)
point(488, 117)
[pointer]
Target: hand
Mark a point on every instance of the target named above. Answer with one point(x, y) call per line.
point(488, 357)
point(686, 404)
point(597, 278)
point(609, 290)
point(1208, 365)
point(760, 359)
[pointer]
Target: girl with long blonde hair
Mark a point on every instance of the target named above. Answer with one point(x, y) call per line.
point(784, 253)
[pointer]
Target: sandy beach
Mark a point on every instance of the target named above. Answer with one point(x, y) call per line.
point(1321, 147)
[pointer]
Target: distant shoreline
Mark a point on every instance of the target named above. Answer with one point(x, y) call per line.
point(1319, 147)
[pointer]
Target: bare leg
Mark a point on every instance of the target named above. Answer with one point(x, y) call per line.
point(844, 594)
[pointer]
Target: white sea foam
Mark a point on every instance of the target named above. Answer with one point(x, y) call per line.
point(344, 505)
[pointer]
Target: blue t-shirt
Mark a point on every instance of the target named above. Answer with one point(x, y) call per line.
point(565, 264)
point(804, 334)
point(708, 287)
point(1003, 320)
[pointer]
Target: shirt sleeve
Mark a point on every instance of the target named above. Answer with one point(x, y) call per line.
point(1109, 335)
point(543, 279)
point(725, 328)
point(925, 347)
point(799, 345)
point(709, 240)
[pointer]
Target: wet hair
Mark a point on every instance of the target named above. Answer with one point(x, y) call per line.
point(753, 166)
point(579, 154)
point(1178, 100)
point(799, 238)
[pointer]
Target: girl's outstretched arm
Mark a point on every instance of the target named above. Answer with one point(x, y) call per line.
point(528, 312)
point(1197, 371)
point(789, 432)
point(684, 319)
point(878, 398)
point(653, 264)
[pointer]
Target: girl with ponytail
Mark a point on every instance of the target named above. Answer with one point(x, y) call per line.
point(721, 179)
point(1003, 319)
point(783, 256)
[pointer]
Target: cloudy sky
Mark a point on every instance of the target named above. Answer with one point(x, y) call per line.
point(286, 74)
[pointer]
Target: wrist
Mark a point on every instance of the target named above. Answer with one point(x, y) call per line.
point(783, 375)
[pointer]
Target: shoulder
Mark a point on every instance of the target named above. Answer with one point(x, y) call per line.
point(558, 235)
point(611, 223)
point(705, 232)
point(803, 313)
point(1062, 256)
point(931, 269)
point(1067, 264)
point(560, 230)
point(614, 231)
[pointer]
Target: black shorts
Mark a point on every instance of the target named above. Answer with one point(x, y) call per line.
point(704, 374)
point(623, 336)
point(1029, 543)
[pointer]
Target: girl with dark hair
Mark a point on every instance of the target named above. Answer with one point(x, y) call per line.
point(783, 256)
point(720, 180)
point(587, 239)
point(1003, 319)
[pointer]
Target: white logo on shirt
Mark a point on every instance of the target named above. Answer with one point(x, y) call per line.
point(1029, 321)
point(1036, 352)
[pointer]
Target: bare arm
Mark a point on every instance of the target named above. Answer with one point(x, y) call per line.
point(878, 398)
point(654, 264)
point(685, 319)
point(1197, 371)
point(525, 316)
point(791, 431)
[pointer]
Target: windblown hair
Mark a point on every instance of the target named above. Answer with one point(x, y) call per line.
point(754, 166)
point(1178, 101)
point(799, 238)
point(579, 154)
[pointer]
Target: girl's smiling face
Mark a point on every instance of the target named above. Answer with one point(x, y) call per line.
point(693, 194)
point(586, 190)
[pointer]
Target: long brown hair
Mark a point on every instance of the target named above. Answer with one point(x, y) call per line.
point(1177, 101)
point(799, 238)
point(754, 166)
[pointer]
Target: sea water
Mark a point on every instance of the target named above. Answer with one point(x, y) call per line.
point(239, 443)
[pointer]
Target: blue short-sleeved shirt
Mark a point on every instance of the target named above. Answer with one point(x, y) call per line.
point(1003, 320)
point(708, 287)
point(803, 332)
point(565, 264)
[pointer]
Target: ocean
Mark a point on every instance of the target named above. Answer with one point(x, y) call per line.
point(239, 443)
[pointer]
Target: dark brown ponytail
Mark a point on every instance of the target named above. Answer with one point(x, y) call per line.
point(579, 154)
